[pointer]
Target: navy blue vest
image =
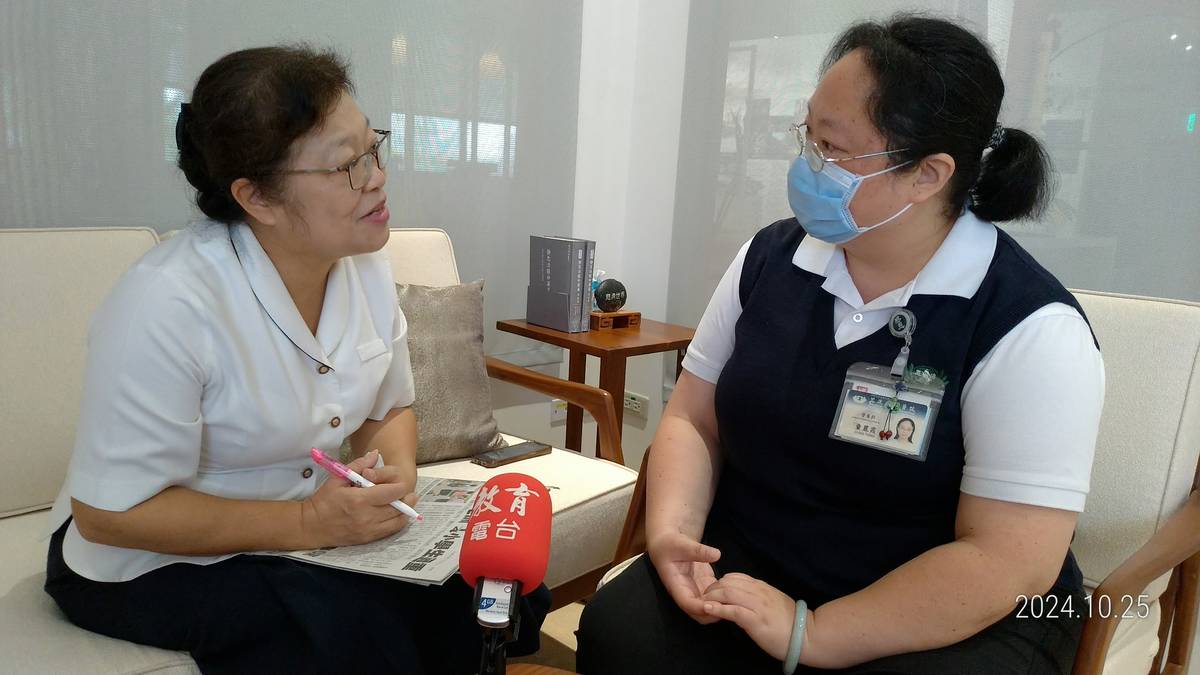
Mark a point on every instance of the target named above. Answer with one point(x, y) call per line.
point(823, 518)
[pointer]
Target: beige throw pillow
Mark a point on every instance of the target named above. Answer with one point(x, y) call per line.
point(445, 343)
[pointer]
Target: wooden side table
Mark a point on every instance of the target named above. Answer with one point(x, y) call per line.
point(612, 347)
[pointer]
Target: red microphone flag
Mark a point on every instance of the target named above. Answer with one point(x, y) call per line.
point(508, 534)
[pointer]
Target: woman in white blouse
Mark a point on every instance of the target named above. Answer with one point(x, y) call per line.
point(217, 362)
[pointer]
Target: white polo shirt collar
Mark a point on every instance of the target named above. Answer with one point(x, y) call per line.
point(268, 287)
point(957, 268)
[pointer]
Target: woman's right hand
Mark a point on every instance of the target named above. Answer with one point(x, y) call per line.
point(685, 567)
point(339, 513)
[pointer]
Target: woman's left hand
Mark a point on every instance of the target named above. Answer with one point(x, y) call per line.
point(760, 609)
point(391, 474)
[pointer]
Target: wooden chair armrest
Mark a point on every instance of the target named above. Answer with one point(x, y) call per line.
point(1174, 543)
point(633, 535)
point(596, 401)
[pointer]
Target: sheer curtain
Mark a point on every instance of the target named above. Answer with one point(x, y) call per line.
point(1112, 88)
point(481, 98)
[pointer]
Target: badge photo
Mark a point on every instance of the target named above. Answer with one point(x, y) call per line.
point(880, 411)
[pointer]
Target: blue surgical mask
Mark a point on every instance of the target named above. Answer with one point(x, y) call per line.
point(821, 200)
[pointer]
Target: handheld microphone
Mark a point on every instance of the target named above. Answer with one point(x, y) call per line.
point(504, 555)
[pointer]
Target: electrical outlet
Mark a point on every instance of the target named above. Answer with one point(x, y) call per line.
point(636, 404)
point(558, 412)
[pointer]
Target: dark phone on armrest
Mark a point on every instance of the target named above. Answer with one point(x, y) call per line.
point(499, 457)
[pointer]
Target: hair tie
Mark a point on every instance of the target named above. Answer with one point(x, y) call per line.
point(185, 115)
point(993, 142)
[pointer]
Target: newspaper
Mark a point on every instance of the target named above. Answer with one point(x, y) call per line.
point(425, 552)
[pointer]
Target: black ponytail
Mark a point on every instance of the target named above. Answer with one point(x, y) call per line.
point(938, 89)
point(1015, 181)
point(214, 202)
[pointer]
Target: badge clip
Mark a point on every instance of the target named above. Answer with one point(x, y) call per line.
point(902, 324)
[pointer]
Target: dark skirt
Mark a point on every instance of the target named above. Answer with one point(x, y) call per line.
point(261, 614)
point(633, 626)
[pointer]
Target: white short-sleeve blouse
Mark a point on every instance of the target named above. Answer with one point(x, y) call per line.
point(201, 373)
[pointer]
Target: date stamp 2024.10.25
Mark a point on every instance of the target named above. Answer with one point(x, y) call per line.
point(1104, 607)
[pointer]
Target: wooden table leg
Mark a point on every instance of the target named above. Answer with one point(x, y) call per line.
point(576, 372)
point(612, 380)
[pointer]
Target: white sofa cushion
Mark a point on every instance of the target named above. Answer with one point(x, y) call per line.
point(422, 256)
point(24, 548)
point(1150, 429)
point(36, 638)
point(51, 281)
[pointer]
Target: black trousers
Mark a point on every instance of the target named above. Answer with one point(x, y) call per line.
point(263, 614)
point(633, 626)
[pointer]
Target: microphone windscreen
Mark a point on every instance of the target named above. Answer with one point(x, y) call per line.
point(508, 534)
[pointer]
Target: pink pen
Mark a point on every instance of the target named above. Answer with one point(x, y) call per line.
point(336, 468)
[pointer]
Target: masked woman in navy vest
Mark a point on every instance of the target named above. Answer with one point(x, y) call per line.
point(785, 522)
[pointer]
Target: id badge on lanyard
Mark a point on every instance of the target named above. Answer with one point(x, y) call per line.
point(890, 408)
